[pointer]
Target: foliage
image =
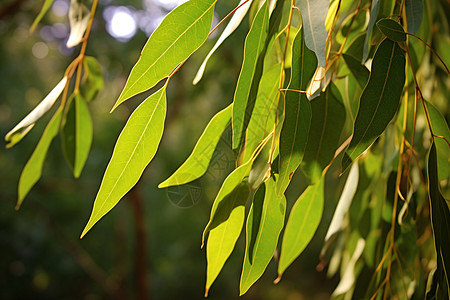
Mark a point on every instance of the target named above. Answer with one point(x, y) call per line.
point(320, 83)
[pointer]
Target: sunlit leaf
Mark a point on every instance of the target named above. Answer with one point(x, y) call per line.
point(296, 124)
point(314, 13)
point(253, 47)
point(197, 163)
point(135, 148)
point(373, 18)
point(181, 32)
point(79, 16)
point(440, 221)
point(264, 224)
point(93, 79)
point(45, 7)
point(303, 221)
point(379, 100)
point(235, 20)
point(328, 117)
point(24, 126)
point(392, 30)
point(414, 14)
point(33, 169)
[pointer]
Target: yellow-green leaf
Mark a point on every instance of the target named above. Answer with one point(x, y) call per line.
point(45, 7)
point(135, 148)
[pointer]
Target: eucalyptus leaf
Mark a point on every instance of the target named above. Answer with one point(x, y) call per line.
point(92, 82)
point(24, 126)
point(414, 14)
point(294, 132)
point(79, 16)
point(32, 171)
point(253, 47)
point(303, 221)
point(197, 163)
point(373, 18)
point(264, 224)
point(181, 32)
point(135, 148)
point(379, 100)
point(45, 7)
point(358, 70)
point(392, 30)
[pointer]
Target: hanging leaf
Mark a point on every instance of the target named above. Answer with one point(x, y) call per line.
point(392, 30)
point(181, 32)
point(303, 221)
point(253, 47)
point(77, 133)
point(379, 100)
point(294, 132)
point(235, 20)
point(440, 128)
point(314, 14)
point(263, 116)
point(24, 126)
point(45, 7)
point(135, 148)
point(225, 223)
point(414, 14)
point(197, 163)
point(358, 70)
point(93, 79)
point(33, 169)
point(79, 16)
point(373, 18)
point(328, 118)
point(440, 221)
point(264, 224)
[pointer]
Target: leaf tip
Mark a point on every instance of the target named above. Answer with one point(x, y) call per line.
point(206, 292)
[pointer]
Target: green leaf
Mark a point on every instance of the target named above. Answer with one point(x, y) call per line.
point(264, 224)
point(440, 128)
point(263, 115)
point(135, 148)
point(392, 30)
point(253, 47)
point(314, 13)
point(328, 118)
point(302, 224)
point(414, 14)
point(20, 130)
point(181, 32)
point(440, 221)
point(45, 7)
point(225, 223)
point(93, 79)
point(296, 124)
point(373, 18)
point(379, 100)
point(358, 70)
point(197, 163)
point(235, 20)
point(79, 16)
point(33, 168)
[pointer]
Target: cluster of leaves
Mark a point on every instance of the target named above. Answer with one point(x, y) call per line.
point(320, 82)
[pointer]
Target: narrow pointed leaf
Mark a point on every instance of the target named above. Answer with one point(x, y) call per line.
point(197, 163)
point(226, 221)
point(135, 148)
point(358, 70)
point(33, 169)
point(93, 80)
point(264, 224)
point(79, 16)
point(45, 7)
point(181, 32)
point(253, 47)
point(414, 14)
point(379, 100)
point(24, 126)
point(294, 132)
point(314, 14)
point(373, 18)
point(440, 221)
point(235, 20)
point(392, 30)
point(328, 117)
point(303, 221)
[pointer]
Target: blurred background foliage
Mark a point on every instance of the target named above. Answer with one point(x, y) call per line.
point(149, 245)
